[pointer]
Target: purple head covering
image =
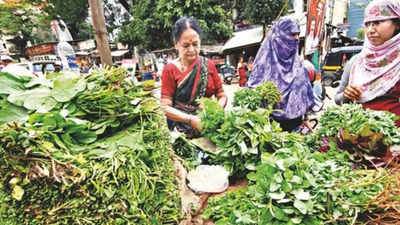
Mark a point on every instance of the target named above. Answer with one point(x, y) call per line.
point(277, 61)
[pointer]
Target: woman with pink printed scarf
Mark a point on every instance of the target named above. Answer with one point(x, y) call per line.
point(372, 77)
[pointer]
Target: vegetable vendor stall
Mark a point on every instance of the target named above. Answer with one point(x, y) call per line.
point(340, 174)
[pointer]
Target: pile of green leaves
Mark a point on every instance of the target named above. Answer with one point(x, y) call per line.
point(363, 132)
point(264, 95)
point(240, 136)
point(84, 162)
point(295, 186)
point(110, 102)
point(186, 150)
point(10, 84)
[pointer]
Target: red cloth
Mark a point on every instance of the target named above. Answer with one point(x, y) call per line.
point(172, 76)
point(242, 76)
point(389, 102)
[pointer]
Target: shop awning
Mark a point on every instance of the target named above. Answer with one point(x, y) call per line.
point(244, 38)
point(118, 53)
point(211, 49)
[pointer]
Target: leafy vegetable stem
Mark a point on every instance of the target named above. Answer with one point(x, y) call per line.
point(355, 217)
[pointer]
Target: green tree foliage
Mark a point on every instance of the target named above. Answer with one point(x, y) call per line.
point(361, 34)
point(152, 21)
point(73, 12)
point(262, 11)
point(30, 20)
point(19, 20)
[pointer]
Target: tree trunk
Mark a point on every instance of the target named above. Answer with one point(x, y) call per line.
point(99, 25)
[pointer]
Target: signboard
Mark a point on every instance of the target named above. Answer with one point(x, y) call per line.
point(40, 49)
point(129, 63)
point(85, 45)
point(315, 22)
point(45, 59)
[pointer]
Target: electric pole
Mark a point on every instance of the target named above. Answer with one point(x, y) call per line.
point(100, 31)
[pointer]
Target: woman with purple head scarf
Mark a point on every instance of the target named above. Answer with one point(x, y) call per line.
point(277, 61)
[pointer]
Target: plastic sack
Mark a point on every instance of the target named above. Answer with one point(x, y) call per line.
point(208, 178)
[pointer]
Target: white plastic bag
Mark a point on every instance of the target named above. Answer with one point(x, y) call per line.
point(208, 178)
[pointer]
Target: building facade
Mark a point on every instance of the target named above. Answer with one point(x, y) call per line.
point(356, 16)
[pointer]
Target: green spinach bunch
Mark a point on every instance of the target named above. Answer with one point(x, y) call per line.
point(240, 136)
point(363, 132)
point(263, 96)
point(296, 186)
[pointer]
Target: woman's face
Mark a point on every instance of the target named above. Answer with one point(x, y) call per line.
point(188, 45)
point(378, 32)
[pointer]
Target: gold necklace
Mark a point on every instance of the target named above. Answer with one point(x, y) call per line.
point(182, 66)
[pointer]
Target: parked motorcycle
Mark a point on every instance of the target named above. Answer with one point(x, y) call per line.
point(227, 73)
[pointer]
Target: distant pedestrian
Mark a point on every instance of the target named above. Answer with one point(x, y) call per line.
point(241, 68)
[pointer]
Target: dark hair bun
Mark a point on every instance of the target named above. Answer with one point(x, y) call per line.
point(182, 25)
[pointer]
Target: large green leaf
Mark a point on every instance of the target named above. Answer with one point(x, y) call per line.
point(40, 103)
point(19, 98)
point(301, 206)
point(65, 87)
point(10, 113)
point(10, 84)
point(38, 99)
point(39, 81)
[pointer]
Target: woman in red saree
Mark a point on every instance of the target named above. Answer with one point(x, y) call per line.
point(242, 72)
point(188, 78)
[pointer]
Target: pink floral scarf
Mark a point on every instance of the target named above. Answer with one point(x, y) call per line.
point(377, 68)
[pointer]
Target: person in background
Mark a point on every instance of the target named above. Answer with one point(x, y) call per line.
point(84, 68)
point(241, 68)
point(316, 84)
point(57, 67)
point(277, 61)
point(372, 77)
point(250, 66)
point(188, 78)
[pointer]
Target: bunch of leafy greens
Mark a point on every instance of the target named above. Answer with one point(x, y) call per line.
point(264, 95)
point(82, 161)
point(363, 132)
point(110, 102)
point(240, 136)
point(295, 186)
point(185, 149)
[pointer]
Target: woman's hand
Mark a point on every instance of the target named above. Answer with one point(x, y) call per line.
point(352, 92)
point(195, 122)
